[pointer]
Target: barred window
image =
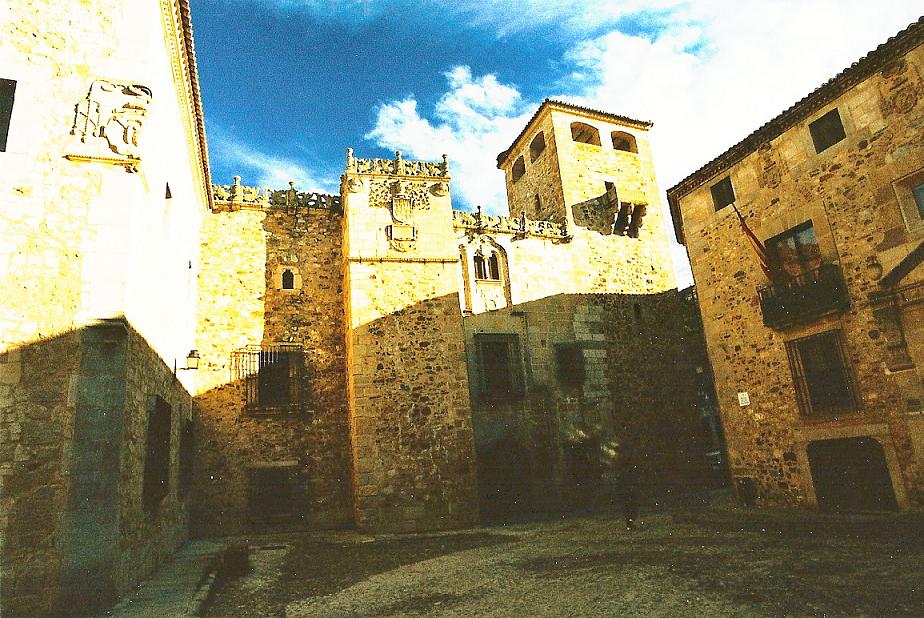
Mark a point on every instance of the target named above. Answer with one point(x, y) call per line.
point(821, 375)
point(499, 372)
point(273, 376)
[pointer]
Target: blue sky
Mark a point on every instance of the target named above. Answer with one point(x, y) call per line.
point(287, 85)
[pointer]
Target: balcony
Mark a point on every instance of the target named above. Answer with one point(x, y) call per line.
point(804, 298)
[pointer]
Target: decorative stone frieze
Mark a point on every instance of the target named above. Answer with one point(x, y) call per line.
point(477, 221)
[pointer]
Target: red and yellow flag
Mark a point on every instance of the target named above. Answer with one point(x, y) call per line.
point(767, 262)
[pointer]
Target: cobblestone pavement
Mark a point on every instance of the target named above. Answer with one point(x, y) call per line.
point(707, 562)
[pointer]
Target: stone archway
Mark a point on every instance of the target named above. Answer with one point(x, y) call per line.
point(851, 474)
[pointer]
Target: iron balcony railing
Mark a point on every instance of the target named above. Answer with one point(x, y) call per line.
point(805, 297)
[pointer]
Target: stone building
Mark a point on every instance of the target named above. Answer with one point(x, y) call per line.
point(104, 183)
point(377, 359)
point(372, 359)
point(818, 365)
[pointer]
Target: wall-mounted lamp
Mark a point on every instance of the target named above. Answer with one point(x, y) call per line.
point(192, 362)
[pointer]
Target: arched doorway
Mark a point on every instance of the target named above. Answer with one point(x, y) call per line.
point(851, 474)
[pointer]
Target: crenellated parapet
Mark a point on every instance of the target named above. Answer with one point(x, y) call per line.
point(237, 196)
point(522, 227)
point(397, 166)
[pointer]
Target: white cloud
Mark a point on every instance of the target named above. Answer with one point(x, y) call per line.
point(707, 74)
point(260, 169)
point(759, 59)
point(472, 122)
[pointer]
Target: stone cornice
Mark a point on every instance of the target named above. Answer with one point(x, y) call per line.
point(179, 39)
point(552, 104)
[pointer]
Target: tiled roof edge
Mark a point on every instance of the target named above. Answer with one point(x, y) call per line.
point(641, 124)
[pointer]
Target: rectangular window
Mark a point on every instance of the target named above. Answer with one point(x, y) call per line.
point(271, 492)
point(500, 376)
point(273, 376)
point(820, 373)
point(569, 364)
point(910, 193)
point(918, 194)
point(187, 453)
point(156, 481)
point(7, 92)
point(723, 193)
point(827, 130)
point(796, 250)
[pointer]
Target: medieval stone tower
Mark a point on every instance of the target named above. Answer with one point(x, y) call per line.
point(410, 421)
point(593, 172)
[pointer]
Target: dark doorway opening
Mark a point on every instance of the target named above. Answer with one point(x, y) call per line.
point(850, 474)
point(503, 473)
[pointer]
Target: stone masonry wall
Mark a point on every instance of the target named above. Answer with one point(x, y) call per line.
point(639, 398)
point(148, 540)
point(851, 192)
point(242, 304)
point(410, 418)
point(79, 241)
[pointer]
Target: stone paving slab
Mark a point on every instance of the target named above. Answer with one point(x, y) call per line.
point(177, 588)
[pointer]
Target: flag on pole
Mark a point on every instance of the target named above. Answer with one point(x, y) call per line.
point(767, 262)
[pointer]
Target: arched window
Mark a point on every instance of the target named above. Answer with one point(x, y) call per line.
point(493, 268)
point(479, 267)
point(288, 280)
point(623, 141)
point(584, 133)
point(536, 146)
point(519, 168)
point(538, 204)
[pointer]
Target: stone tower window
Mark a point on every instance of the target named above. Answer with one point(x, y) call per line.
point(156, 480)
point(723, 193)
point(493, 268)
point(585, 134)
point(827, 130)
point(537, 146)
point(288, 280)
point(7, 90)
point(624, 141)
point(519, 168)
point(479, 267)
point(487, 269)
point(538, 204)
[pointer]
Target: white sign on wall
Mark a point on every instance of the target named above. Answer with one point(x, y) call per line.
point(744, 399)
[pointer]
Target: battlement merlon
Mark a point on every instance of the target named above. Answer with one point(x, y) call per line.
point(397, 167)
point(237, 196)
